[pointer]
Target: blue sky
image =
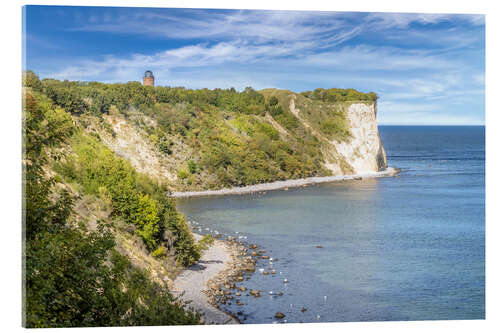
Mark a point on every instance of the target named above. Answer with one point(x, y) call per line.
point(426, 68)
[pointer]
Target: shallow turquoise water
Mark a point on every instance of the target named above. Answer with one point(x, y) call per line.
point(403, 248)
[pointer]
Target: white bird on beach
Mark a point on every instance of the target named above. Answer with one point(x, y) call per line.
point(270, 259)
point(271, 292)
point(285, 281)
point(261, 270)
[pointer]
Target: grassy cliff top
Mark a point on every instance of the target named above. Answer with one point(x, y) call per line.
point(96, 97)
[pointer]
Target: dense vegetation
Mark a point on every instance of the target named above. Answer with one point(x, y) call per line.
point(230, 143)
point(73, 275)
point(339, 95)
point(134, 197)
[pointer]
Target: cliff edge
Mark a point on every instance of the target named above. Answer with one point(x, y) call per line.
point(364, 152)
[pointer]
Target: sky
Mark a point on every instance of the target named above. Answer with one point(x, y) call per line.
point(428, 69)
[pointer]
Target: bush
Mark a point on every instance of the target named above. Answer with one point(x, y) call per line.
point(182, 174)
point(205, 242)
point(160, 252)
point(148, 222)
point(192, 167)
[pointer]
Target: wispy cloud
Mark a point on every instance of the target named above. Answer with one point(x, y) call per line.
point(404, 20)
point(257, 26)
point(419, 64)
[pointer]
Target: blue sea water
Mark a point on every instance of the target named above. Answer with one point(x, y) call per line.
point(410, 247)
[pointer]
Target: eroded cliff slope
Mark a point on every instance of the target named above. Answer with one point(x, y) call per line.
point(358, 149)
point(194, 140)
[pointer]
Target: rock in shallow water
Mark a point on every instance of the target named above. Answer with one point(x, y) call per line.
point(255, 292)
point(279, 315)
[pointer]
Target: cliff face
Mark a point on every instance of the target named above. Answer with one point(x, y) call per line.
point(359, 150)
point(298, 137)
point(364, 152)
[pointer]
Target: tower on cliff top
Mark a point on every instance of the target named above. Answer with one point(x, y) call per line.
point(148, 79)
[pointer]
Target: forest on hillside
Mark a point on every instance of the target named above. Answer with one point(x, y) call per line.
point(75, 274)
point(229, 139)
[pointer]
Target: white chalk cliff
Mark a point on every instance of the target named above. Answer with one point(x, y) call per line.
point(364, 152)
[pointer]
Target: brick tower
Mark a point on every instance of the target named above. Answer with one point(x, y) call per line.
point(148, 79)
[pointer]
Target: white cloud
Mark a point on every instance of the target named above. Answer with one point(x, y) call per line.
point(403, 20)
point(421, 75)
point(258, 26)
point(189, 56)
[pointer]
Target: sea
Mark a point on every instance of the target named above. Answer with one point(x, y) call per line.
point(409, 247)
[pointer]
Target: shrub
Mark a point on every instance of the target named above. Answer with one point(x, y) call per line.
point(192, 167)
point(148, 222)
point(205, 242)
point(160, 252)
point(182, 174)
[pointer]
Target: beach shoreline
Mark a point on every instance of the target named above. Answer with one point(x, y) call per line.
point(200, 283)
point(284, 184)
